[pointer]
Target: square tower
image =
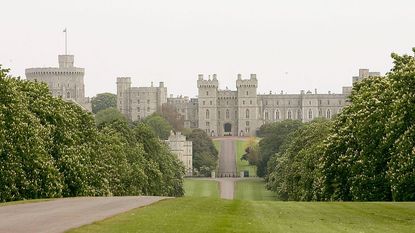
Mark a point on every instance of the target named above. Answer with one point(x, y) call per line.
point(247, 105)
point(207, 107)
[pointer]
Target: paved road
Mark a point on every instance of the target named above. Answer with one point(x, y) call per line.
point(227, 158)
point(66, 213)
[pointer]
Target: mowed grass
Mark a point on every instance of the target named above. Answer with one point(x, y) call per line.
point(243, 165)
point(201, 188)
point(195, 215)
point(253, 189)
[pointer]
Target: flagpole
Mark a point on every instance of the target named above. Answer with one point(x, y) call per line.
point(66, 42)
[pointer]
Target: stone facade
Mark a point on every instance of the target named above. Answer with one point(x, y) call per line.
point(139, 102)
point(183, 149)
point(237, 112)
point(65, 81)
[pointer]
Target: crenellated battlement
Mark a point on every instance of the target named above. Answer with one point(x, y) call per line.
point(251, 82)
point(211, 82)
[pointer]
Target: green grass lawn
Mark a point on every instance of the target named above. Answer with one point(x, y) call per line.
point(254, 190)
point(194, 215)
point(243, 165)
point(201, 188)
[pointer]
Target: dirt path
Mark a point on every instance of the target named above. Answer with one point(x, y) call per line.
point(63, 214)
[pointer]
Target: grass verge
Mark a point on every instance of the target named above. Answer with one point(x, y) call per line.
point(253, 189)
point(215, 215)
point(201, 188)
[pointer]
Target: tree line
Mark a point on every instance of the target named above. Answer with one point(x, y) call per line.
point(52, 148)
point(366, 153)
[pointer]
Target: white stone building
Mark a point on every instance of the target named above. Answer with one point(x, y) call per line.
point(183, 149)
point(237, 112)
point(65, 81)
point(139, 102)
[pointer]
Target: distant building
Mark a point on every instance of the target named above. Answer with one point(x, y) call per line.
point(137, 103)
point(364, 73)
point(183, 149)
point(237, 112)
point(65, 81)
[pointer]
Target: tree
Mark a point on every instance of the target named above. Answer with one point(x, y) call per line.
point(274, 135)
point(295, 172)
point(175, 119)
point(205, 155)
point(109, 115)
point(160, 126)
point(370, 152)
point(251, 152)
point(103, 101)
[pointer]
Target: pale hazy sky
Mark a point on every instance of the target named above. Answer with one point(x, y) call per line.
point(290, 45)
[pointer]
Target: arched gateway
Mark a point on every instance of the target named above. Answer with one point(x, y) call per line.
point(227, 129)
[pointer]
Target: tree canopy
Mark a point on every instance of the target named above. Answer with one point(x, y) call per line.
point(52, 148)
point(109, 115)
point(274, 135)
point(103, 101)
point(159, 125)
point(205, 155)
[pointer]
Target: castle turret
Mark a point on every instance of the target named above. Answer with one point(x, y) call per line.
point(207, 109)
point(247, 105)
point(123, 95)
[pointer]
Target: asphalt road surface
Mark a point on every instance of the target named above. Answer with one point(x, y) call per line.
point(66, 213)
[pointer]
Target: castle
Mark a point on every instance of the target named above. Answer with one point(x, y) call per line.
point(65, 81)
point(237, 112)
point(182, 149)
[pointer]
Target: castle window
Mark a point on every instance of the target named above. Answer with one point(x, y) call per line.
point(211, 102)
point(250, 102)
point(320, 113)
point(319, 102)
point(310, 114)
point(207, 123)
point(218, 114)
point(289, 102)
point(340, 102)
point(289, 115)
point(278, 102)
point(243, 102)
point(328, 102)
point(299, 114)
point(227, 113)
point(266, 102)
point(148, 109)
point(328, 114)
point(309, 102)
point(247, 113)
point(266, 115)
point(247, 93)
point(207, 93)
point(277, 114)
point(138, 101)
point(207, 114)
point(227, 102)
point(203, 102)
point(138, 109)
point(148, 101)
point(68, 95)
point(247, 123)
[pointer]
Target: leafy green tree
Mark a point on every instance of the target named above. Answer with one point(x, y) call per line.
point(103, 101)
point(295, 172)
point(160, 126)
point(369, 154)
point(274, 135)
point(205, 155)
point(109, 115)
